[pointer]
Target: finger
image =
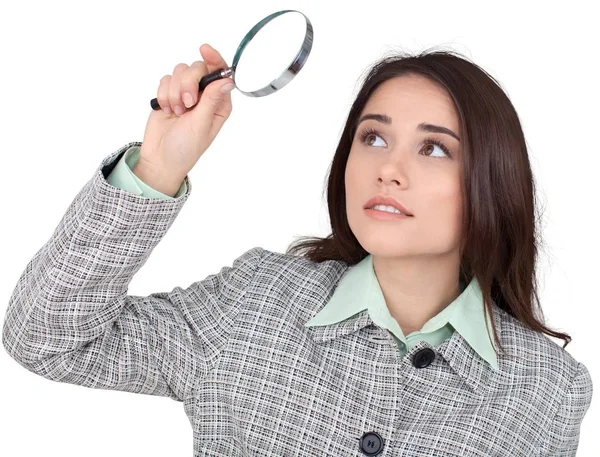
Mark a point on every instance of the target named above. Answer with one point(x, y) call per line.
point(214, 105)
point(175, 89)
point(189, 82)
point(214, 61)
point(212, 57)
point(162, 94)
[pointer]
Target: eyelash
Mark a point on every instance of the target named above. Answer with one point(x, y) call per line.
point(371, 131)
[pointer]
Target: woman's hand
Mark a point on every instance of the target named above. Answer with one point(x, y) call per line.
point(173, 142)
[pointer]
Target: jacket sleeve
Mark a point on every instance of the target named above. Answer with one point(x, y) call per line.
point(564, 430)
point(69, 318)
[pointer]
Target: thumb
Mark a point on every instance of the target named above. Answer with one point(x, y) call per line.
point(214, 102)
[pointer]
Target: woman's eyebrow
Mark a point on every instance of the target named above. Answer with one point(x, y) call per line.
point(424, 127)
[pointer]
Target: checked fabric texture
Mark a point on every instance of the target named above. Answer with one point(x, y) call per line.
point(253, 380)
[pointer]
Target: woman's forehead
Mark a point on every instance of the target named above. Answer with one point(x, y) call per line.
point(413, 99)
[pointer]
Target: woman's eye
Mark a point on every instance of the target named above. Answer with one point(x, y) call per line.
point(368, 138)
point(433, 145)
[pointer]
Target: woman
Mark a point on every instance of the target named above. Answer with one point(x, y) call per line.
point(403, 334)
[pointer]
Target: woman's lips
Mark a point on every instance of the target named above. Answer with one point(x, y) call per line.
point(384, 215)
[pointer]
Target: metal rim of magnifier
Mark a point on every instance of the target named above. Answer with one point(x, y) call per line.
point(288, 74)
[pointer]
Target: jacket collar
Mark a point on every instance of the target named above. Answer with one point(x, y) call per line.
point(470, 351)
point(456, 351)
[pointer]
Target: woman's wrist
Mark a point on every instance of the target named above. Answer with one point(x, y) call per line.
point(161, 180)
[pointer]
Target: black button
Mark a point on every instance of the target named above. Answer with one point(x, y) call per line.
point(371, 443)
point(423, 358)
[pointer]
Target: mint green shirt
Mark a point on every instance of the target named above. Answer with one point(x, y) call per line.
point(359, 289)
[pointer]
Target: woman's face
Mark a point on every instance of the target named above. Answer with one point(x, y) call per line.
point(401, 162)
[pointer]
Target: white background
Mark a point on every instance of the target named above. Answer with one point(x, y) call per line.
point(76, 82)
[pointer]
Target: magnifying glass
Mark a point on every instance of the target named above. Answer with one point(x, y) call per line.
point(265, 55)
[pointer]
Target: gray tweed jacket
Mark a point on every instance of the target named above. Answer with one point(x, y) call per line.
point(254, 381)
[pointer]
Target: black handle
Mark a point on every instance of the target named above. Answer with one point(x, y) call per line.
point(205, 81)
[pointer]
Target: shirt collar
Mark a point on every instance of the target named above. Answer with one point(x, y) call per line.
point(358, 298)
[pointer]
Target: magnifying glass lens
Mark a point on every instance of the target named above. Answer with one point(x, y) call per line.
point(270, 52)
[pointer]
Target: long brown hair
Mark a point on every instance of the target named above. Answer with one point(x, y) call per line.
point(499, 240)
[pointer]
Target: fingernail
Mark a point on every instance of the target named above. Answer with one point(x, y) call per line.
point(188, 100)
point(227, 88)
